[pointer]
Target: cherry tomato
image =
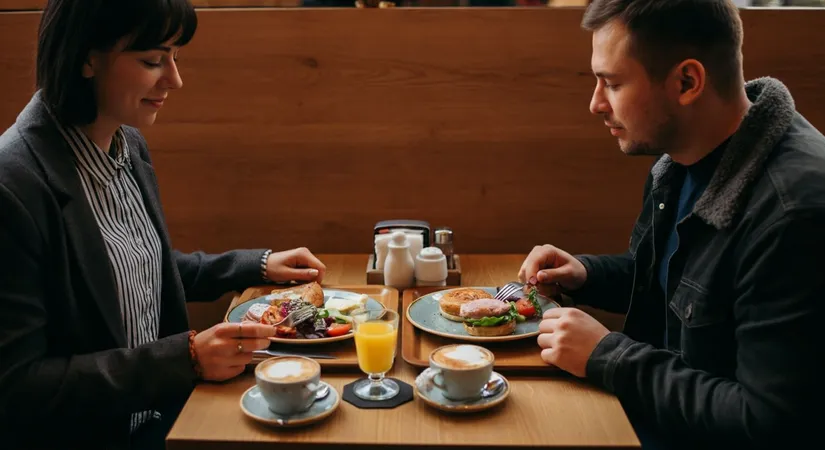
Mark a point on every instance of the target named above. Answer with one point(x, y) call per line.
point(525, 308)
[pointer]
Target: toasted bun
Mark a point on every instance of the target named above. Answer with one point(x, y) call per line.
point(451, 301)
point(311, 293)
point(450, 316)
point(499, 330)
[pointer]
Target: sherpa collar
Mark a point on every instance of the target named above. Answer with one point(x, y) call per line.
point(766, 121)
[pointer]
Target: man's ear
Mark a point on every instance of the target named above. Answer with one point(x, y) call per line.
point(687, 81)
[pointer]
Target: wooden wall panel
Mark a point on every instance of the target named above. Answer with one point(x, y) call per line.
point(27, 5)
point(305, 127)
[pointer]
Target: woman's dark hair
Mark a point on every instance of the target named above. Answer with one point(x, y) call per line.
point(70, 29)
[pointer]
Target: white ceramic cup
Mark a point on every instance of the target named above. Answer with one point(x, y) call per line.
point(291, 394)
point(461, 380)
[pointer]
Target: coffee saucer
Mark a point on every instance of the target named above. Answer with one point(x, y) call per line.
point(497, 390)
point(255, 407)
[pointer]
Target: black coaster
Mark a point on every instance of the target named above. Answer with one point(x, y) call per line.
point(405, 394)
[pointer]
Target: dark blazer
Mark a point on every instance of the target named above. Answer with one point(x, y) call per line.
point(66, 376)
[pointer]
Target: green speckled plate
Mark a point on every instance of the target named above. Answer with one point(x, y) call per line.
point(237, 314)
point(424, 314)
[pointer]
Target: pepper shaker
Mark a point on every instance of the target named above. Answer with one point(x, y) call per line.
point(444, 241)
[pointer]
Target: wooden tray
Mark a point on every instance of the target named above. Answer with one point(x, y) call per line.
point(512, 356)
point(343, 350)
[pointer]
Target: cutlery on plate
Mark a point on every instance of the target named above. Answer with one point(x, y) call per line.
point(268, 353)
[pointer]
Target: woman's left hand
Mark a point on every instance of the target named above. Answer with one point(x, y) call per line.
point(294, 265)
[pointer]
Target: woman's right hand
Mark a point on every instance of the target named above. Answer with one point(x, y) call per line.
point(224, 350)
point(547, 264)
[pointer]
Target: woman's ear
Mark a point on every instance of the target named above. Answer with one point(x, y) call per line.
point(88, 69)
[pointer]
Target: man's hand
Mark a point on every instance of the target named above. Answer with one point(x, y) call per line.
point(294, 265)
point(552, 266)
point(568, 337)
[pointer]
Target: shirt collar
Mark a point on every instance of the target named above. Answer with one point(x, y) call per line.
point(90, 158)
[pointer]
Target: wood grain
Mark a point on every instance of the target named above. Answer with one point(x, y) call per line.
point(547, 412)
point(304, 127)
point(572, 414)
point(518, 356)
point(29, 5)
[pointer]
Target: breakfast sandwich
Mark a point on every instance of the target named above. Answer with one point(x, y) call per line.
point(451, 302)
point(489, 317)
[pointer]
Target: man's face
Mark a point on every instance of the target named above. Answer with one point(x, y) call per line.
point(634, 107)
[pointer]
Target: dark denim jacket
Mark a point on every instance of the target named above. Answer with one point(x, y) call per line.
point(745, 291)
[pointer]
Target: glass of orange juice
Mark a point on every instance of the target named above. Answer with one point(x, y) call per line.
point(376, 336)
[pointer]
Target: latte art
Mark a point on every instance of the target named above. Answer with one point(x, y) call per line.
point(286, 370)
point(462, 357)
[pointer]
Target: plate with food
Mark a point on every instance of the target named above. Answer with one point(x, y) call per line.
point(329, 321)
point(474, 314)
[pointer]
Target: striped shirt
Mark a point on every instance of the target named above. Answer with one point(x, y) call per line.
point(132, 242)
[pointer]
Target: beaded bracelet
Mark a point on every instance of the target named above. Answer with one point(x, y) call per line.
point(193, 355)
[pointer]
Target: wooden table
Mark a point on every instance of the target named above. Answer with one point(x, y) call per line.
point(555, 411)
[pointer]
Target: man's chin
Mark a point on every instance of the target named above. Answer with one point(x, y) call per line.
point(635, 148)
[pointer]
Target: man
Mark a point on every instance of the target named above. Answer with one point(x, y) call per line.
point(723, 280)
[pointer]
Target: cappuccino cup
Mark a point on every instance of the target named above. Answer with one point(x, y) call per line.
point(288, 384)
point(461, 371)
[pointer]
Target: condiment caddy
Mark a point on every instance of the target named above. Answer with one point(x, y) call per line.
point(403, 250)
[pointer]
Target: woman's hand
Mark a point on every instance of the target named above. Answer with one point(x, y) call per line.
point(224, 350)
point(294, 265)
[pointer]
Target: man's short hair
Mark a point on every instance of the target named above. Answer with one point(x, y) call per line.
point(664, 33)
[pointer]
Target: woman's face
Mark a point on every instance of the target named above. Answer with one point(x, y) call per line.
point(131, 86)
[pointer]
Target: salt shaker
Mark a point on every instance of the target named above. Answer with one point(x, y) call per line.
point(431, 267)
point(444, 241)
point(399, 267)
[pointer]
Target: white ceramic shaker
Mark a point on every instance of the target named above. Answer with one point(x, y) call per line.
point(431, 267)
point(399, 267)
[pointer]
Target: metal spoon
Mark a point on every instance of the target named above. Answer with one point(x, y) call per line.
point(492, 387)
point(322, 393)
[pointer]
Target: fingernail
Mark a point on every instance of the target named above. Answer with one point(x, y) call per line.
point(313, 272)
point(533, 280)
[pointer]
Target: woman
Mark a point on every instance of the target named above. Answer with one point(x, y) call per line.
point(95, 349)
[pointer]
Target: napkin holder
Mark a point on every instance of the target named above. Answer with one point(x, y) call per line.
point(375, 276)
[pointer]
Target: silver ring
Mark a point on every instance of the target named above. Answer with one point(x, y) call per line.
point(240, 346)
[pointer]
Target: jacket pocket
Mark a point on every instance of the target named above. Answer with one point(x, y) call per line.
point(705, 327)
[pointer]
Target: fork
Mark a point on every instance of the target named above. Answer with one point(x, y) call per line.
point(508, 290)
point(296, 317)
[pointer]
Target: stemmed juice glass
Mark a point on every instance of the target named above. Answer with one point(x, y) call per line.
point(376, 337)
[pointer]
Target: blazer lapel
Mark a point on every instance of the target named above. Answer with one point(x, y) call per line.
point(85, 241)
point(173, 316)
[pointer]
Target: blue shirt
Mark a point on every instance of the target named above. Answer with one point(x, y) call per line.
point(697, 177)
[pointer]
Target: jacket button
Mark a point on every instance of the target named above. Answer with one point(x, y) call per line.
point(661, 206)
point(688, 311)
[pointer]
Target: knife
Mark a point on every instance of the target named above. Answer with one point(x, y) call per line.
point(281, 353)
